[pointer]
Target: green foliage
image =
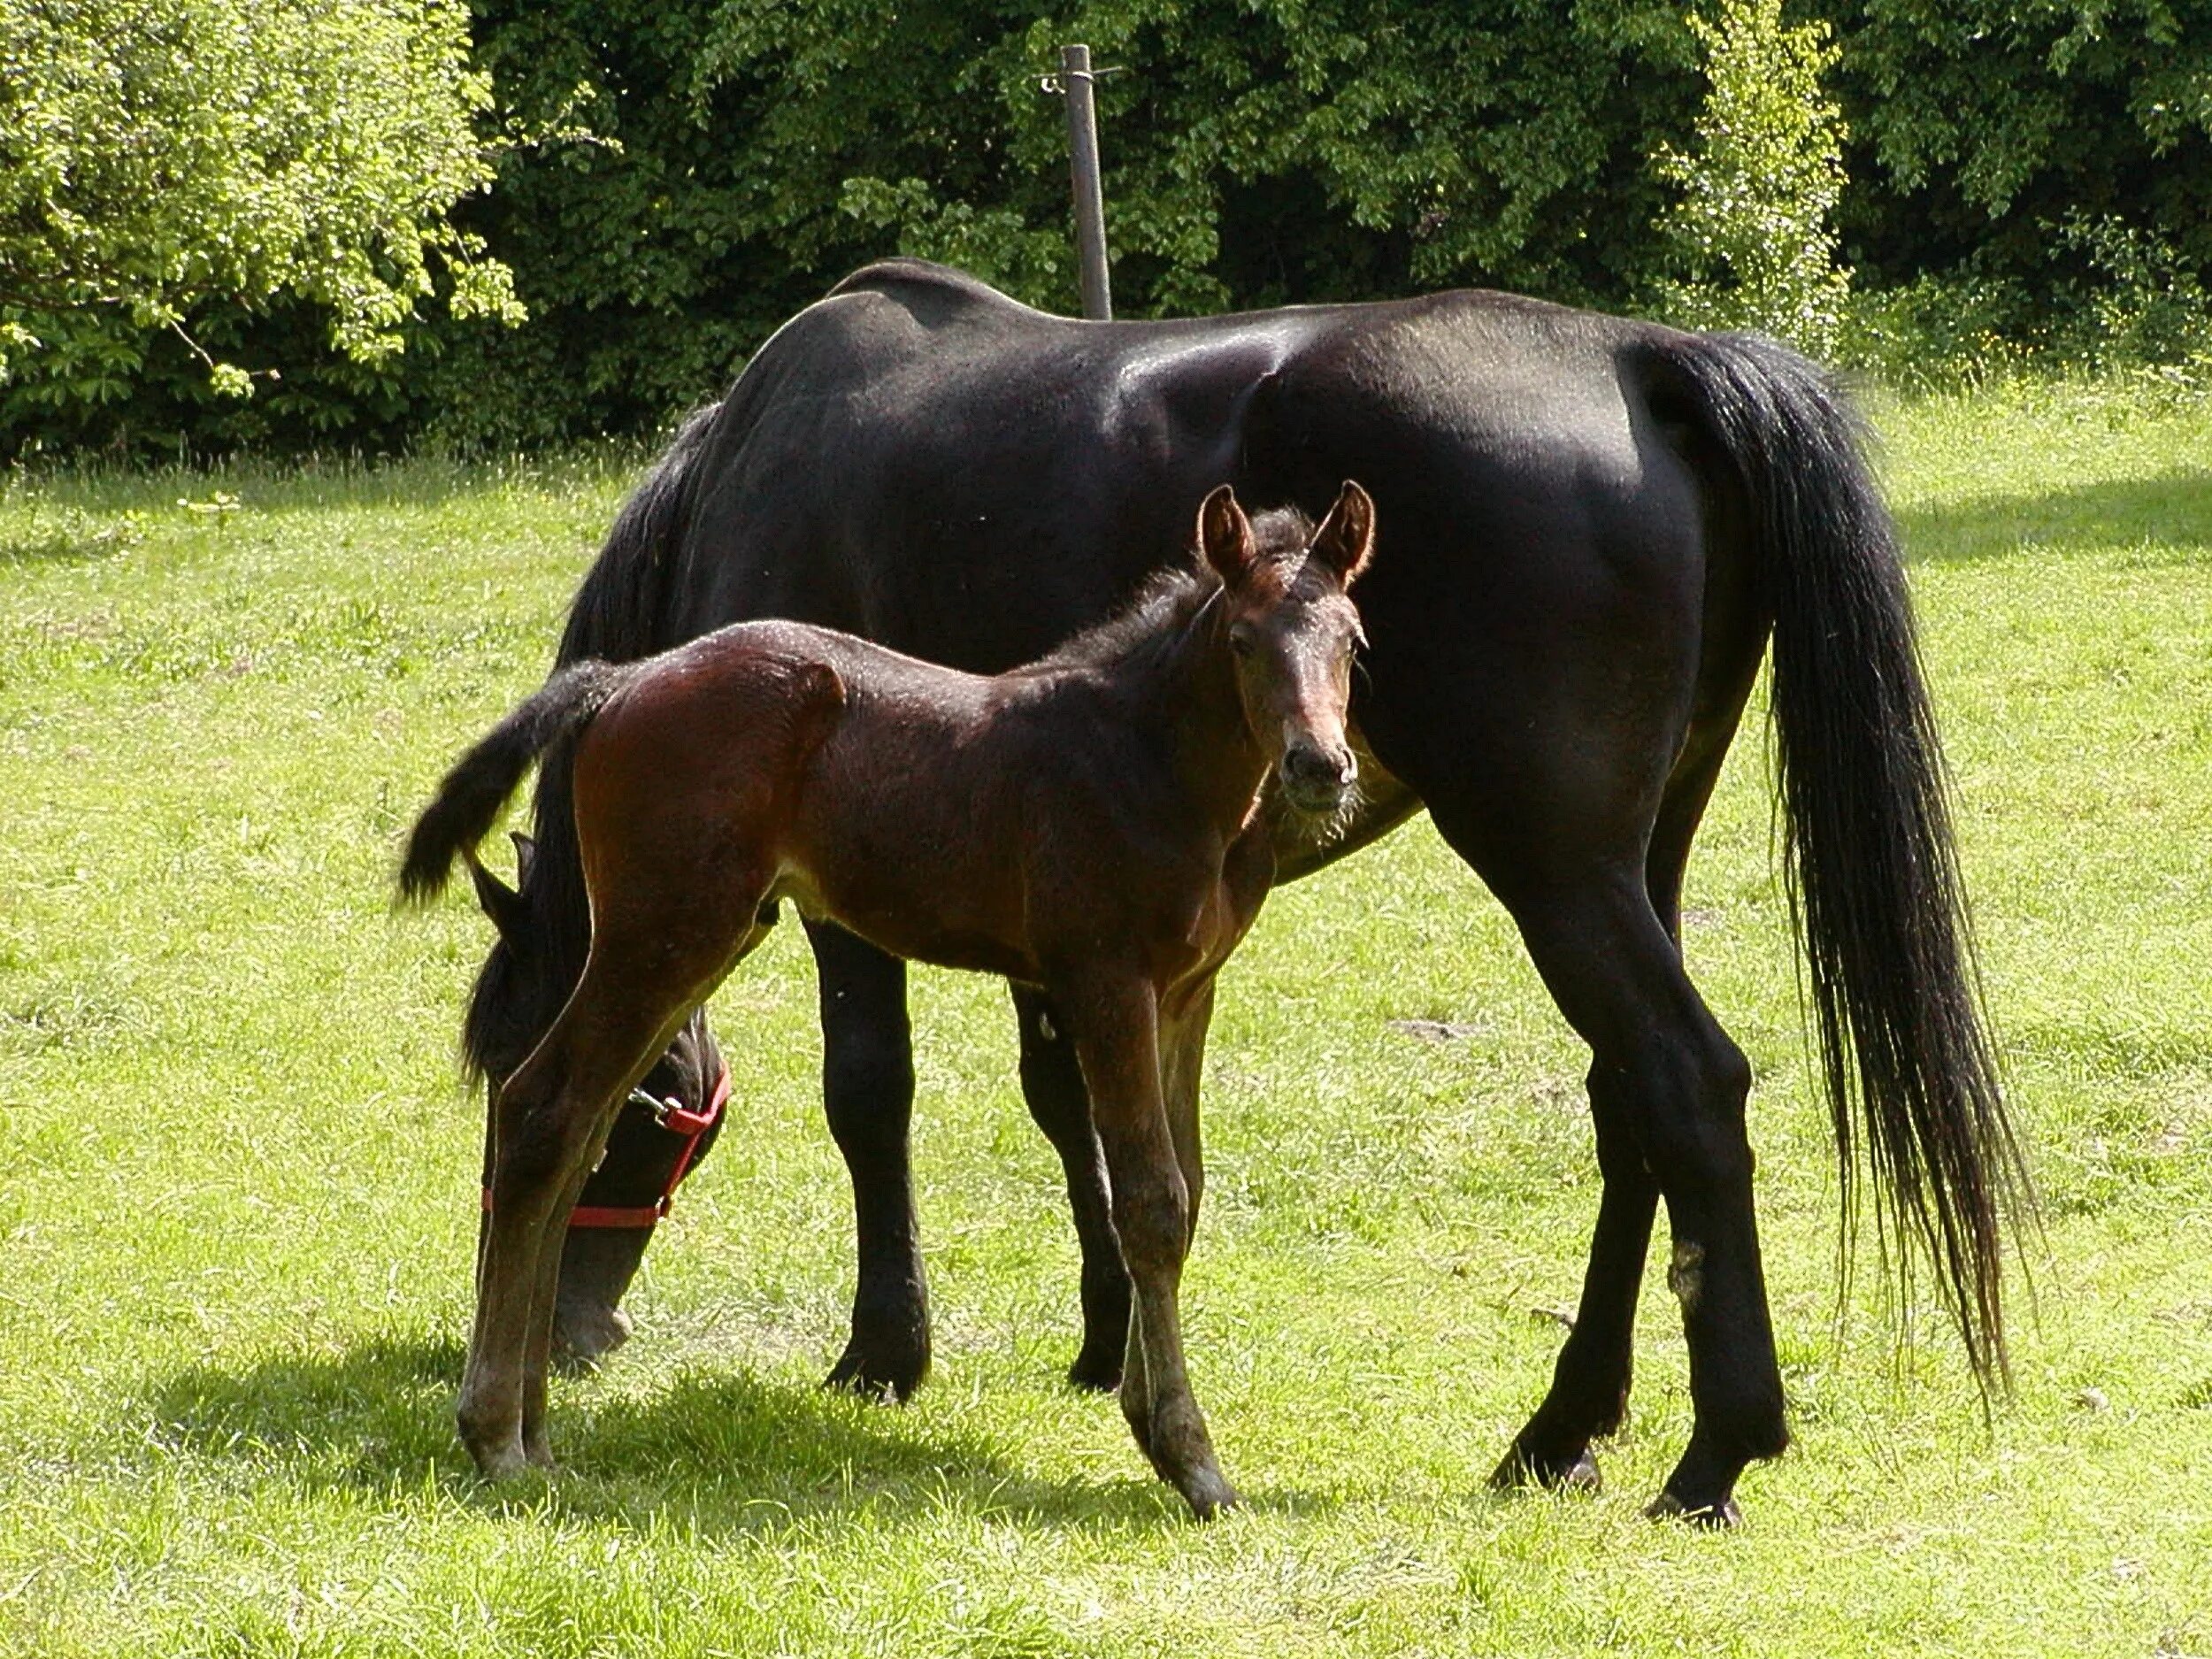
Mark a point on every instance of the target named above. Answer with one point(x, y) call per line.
point(1251, 156)
point(2053, 162)
point(742, 154)
point(1752, 235)
point(157, 155)
point(670, 181)
point(756, 150)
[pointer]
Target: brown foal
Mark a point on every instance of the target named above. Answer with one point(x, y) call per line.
point(1089, 824)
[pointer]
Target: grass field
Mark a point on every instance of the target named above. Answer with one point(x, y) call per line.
point(236, 1173)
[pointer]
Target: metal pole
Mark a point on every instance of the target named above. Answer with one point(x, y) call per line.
point(1090, 201)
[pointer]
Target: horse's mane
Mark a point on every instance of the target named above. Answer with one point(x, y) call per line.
point(619, 615)
point(1156, 616)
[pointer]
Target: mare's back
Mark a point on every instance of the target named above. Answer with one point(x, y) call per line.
point(921, 461)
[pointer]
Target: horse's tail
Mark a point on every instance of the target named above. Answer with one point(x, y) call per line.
point(1874, 885)
point(469, 800)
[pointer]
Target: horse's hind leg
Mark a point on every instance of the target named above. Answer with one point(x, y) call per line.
point(1052, 1084)
point(1667, 1089)
point(868, 1093)
point(646, 972)
point(1589, 1392)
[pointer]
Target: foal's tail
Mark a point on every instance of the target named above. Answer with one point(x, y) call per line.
point(469, 801)
point(1873, 879)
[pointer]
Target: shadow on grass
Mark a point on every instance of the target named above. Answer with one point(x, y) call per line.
point(722, 1452)
point(2173, 510)
point(69, 540)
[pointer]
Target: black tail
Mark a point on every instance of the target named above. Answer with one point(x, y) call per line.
point(1873, 879)
point(469, 801)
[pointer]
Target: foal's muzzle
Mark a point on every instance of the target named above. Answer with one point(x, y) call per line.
point(1314, 781)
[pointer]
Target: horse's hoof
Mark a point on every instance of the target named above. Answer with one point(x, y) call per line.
point(1208, 1494)
point(1712, 1516)
point(1520, 1468)
point(1096, 1373)
point(891, 1379)
point(584, 1336)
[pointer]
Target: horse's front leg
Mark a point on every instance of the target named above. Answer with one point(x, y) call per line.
point(1117, 1038)
point(1182, 1057)
point(868, 1092)
point(1052, 1084)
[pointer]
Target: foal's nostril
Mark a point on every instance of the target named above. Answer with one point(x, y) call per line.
point(1311, 773)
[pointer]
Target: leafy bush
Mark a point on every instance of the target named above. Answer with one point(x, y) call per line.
point(670, 181)
point(158, 154)
point(2051, 165)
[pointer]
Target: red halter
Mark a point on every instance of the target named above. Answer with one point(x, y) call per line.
point(678, 1121)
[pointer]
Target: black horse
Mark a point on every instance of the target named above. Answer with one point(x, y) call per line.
point(1593, 527)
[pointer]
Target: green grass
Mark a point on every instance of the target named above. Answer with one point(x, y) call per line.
point(237, 1197)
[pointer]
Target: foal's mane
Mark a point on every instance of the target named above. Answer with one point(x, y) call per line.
point(1170, 600)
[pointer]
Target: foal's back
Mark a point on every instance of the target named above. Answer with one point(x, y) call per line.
point(906, 800)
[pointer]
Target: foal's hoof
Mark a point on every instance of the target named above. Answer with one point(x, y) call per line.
point(1711, 1516)
point(1522, 1469)
point(497, 1460)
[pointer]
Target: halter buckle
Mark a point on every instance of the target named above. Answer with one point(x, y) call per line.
point(652, 1103)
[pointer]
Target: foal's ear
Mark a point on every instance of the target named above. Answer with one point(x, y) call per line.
point(497, 899)
point(1345, 540)
point(1225, 534)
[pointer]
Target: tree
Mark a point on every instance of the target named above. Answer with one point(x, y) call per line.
point(156, 155)
point(1755, 242)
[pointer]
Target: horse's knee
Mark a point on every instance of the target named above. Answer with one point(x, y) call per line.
point(1152, 1218)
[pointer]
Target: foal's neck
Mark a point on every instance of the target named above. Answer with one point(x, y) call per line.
point(1219, 761)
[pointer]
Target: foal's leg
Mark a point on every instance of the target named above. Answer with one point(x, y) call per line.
point(549, 1120)
point(644, 975)
point(1667, 1087)
point(1052, 1083)
point(1182, 1059)
point(1183, 1027)
point(1117, 1039)
point(868, 1092)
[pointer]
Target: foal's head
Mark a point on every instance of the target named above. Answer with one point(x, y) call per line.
point(1292, 627)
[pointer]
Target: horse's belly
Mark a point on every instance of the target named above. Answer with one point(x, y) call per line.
point(880, 909)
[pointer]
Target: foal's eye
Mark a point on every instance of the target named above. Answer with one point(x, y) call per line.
point(1240, 640)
